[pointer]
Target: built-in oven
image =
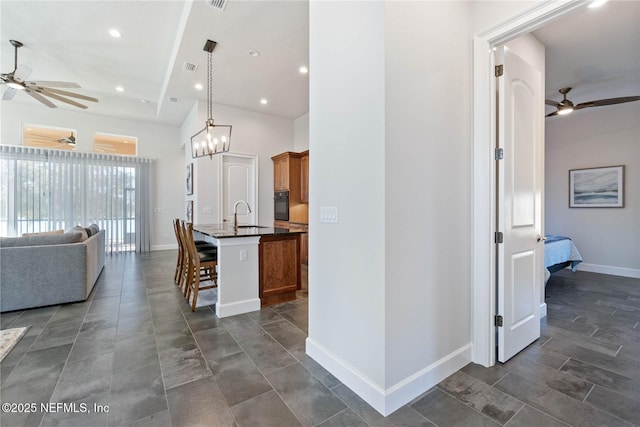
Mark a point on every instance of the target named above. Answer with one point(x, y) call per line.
point(281, 205)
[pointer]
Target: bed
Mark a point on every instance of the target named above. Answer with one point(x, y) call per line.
point(559, 252)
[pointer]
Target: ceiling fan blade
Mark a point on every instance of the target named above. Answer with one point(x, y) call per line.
point(555, 113)
point(609, 101)
point(52, 84)
point(43, 89)
point(60, 98)
point(22, 73)
point(9, 93)
point(552, 103)
point(40, 98)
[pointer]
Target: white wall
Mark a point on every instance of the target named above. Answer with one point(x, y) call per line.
point(346, 141)
point(253, 133)
point(301, 133)
point(608, 238)
point(390, 132)
point(154, 141)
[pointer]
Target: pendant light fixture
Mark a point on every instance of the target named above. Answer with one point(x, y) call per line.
point(212, 139)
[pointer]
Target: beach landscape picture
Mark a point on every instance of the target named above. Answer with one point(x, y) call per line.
point(596, 187)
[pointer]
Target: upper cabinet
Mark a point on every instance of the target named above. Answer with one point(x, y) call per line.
point(304, 177)
point(281, 172)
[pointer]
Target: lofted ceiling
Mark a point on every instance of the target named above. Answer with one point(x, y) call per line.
point(596, 51)
point(70, 41)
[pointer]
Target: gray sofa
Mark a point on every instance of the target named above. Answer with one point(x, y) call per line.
point(36, 271)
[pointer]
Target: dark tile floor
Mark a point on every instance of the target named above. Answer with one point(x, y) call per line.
point(136, 348)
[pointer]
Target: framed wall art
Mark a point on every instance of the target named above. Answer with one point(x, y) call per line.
point(189, 211)
point(601, 187)
point(189, 179)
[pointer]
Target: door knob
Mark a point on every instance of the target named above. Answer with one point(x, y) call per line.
point(540, 238)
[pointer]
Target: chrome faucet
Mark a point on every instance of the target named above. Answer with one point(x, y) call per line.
point(235, 212)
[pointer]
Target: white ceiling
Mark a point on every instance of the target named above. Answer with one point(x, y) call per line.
point(595, 51)
point(69, 41)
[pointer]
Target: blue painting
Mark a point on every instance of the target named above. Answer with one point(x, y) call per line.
point(596, 187)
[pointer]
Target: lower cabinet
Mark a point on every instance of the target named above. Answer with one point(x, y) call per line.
point(279, 268)
point(304, 240)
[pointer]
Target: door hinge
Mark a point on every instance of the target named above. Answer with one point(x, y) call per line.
point(499, 71)
point(498, 153)
point(499, 237)
point(498, 321)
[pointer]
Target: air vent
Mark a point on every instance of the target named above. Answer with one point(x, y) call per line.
point(173, 99)
point(190, 67)
point(218, 4)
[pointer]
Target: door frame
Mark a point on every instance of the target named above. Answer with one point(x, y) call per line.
point(483, 256)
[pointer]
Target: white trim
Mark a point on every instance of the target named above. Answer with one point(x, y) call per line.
point(543, 310)
point(238, 307)
point(389, 400)
point(609, 269)
point(483, 184)
point(171, 246)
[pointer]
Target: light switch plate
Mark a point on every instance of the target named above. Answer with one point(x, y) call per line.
point(329, 214)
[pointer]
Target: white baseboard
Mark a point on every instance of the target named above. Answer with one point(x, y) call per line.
point(239, 307)
point(173, 246)
point(607, 269)
point(543, 310)
point(398, 395)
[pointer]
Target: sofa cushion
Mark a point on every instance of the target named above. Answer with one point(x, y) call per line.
point(43, 233)
point(41, 240)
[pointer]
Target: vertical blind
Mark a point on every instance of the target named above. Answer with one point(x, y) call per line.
point(45, 190)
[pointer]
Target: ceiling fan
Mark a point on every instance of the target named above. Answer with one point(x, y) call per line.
point(70, 140)
point(16, 81)
point(565, 106)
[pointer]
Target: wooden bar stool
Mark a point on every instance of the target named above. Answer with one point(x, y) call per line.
point(200, 265)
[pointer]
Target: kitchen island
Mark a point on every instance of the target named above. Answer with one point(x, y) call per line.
point(257, 266)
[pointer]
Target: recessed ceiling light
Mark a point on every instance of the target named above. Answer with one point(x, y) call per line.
point(198, 86)
point(119, 88)
point(254, 53)
point(303, 70)
point(115, 33)
point(264, 101)
point(597, 3)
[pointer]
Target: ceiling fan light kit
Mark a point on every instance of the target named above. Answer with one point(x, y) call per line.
point(212, 139)
point(565, 106)
point(16, 81)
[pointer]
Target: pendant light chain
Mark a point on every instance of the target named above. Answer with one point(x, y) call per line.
point(210, 87)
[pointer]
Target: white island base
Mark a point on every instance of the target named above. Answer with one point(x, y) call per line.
point(237, 275)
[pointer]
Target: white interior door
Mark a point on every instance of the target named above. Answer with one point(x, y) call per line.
point(519, 211)
point(239, 182)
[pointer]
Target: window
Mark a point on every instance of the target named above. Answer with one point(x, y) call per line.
point(50, 137)
point(115, 144)
point(45, 190)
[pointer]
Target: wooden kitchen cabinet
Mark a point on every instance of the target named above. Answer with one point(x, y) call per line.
point(304, 177)
point(279, 268)
point(304, 240)
point(281, 173)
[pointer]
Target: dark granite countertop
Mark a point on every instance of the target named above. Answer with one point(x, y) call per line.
point(221, 231)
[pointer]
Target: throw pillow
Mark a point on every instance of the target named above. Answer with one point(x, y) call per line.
point(89, 231)
point(94, 228)
point(81, 230)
